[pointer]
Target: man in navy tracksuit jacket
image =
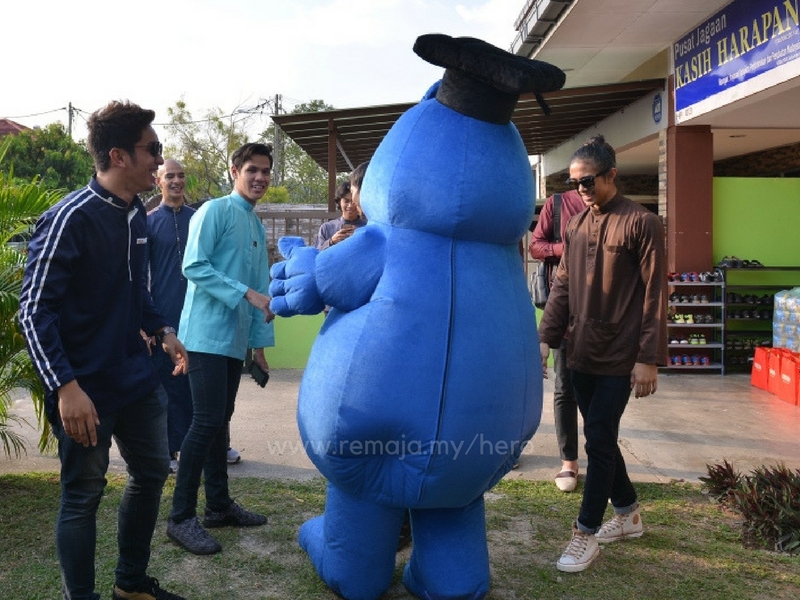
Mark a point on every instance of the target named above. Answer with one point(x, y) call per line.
point(82, 306)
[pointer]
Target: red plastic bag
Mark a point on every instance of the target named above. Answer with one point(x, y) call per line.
point(787, 382)
point(774, 370)
point(759, 375)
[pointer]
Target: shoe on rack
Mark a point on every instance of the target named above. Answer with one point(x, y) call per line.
point(173, 463)
point(621, 527)
point(233, 516)
point(566, 480)
point(190, 535)
point(580, 552)
point(730, 262)
point(149, 589)
point(233, 456)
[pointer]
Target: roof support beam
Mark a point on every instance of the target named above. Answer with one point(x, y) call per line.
point(332, 143)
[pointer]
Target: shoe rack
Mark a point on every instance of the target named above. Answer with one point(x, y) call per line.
point(749, 308)
point(696, 325)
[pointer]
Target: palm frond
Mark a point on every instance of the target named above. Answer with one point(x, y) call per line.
point(21, 204)
point(12, 442)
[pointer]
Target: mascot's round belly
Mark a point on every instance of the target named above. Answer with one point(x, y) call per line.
point(426, 378)
point(458, 387)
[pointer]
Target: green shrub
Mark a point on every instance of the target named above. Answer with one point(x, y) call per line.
point(722, 481)
point(768, 500)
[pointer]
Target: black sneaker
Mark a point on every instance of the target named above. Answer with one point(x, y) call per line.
point(148, 590)
point(234, 516)
point(191, 535)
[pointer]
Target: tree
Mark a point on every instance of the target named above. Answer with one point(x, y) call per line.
point(275, 195)
point(20, 205)
point(204, 146)
point(305, 180)
point(50, 155)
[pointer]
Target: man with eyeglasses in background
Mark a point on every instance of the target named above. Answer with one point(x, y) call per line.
point(340, 229)
point(82, 306)
point(609, 298)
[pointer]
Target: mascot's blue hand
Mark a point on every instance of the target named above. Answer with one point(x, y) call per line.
point(287, 244)
point(293, 287)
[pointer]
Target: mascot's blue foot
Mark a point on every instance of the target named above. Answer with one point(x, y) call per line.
point(449, 558)
point(353, 545)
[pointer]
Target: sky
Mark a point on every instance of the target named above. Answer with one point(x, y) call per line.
point(226, 54)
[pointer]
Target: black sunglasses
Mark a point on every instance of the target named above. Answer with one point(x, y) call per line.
point(587, 182)
point(154, 148)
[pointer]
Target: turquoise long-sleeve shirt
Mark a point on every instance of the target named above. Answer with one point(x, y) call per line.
point(226, 253)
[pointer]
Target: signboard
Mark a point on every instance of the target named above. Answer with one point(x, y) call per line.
point(744, 48)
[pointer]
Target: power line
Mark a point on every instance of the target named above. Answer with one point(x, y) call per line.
point(47, 112)
point(258, 108)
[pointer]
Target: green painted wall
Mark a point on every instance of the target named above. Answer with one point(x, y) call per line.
point(757, 218)
point(293, 340)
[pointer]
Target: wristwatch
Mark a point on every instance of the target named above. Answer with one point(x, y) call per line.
point(160, 335)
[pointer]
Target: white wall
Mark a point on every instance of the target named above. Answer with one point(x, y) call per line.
point(625, 128)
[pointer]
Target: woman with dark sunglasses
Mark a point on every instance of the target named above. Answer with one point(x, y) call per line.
point(614, 318)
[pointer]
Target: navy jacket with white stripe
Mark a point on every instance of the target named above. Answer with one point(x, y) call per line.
point(84, 301)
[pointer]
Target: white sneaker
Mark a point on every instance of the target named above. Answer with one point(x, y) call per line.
point(620, 527)
point(233, 456)
point(173, 463)
point(581, 551)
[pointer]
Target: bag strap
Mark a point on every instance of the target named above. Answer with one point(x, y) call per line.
point(556, 217)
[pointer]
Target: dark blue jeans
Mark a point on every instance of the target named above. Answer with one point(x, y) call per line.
point(179, 399)
point(140, 431)
point(602, 400)
point(215, 381)
point(565, 409)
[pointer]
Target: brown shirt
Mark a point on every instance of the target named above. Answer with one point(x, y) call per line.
point(610, 291)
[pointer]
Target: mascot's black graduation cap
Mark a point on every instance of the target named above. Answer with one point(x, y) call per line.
point(482, 81)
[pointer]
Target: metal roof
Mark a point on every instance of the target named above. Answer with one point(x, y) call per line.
point(354, 134)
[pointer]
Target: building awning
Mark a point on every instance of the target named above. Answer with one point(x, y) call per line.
point(339, 140)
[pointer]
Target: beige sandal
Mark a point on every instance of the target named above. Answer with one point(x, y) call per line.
point(567, 480)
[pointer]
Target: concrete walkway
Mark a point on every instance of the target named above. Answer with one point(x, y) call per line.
point(692, 421)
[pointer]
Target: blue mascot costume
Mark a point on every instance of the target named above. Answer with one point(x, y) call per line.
point(425, 381)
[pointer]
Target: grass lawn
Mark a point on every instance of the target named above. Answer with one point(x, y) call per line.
point(691, 549)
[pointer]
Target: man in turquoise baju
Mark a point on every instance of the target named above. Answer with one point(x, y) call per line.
point(226, 311)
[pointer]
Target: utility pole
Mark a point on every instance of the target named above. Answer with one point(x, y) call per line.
point(278, 139)
point(69, 120)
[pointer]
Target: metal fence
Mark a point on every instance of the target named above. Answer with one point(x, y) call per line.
point(298, 220)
